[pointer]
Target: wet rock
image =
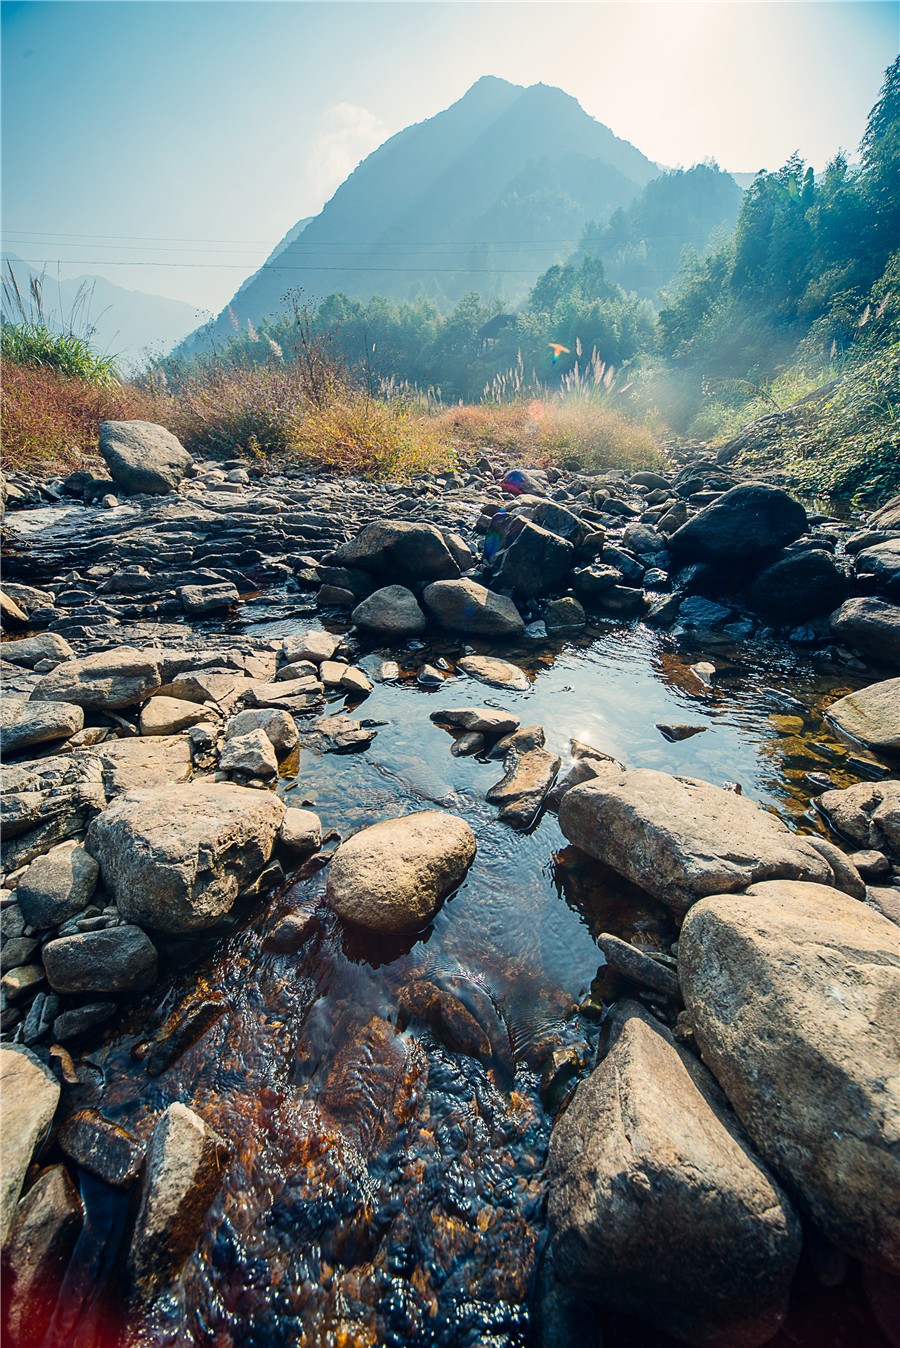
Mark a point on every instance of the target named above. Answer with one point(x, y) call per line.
point(449, 1020)
point(143, 457)
point(480, 720)
point(392, 612)
point(80, 1019)
point(251, 754)
point(867, 814)
point(30, 1094)
point(311, 645)
point(47, 1223)
point(291, 932)
point(301, 831)
point(186, 1031)
point(797, 587)
point(167, 715)
point(871, 716)
point(339, 735)
point(559, 1075)
point(639, 966)
point(116, 959)
point(464, 606)
point(393, 876)
point(564, 617)
point(197, 600)
point(102, 1148)
point(30, 651)
point(535, 562)
point(793, 994)
point(619, 601)
point(522, 790)
point(122, 677)
point(496, 673)
point(57, 885)
point(653, 1186)
point(23, 724)
point(277, 725)
point(871, 626)
point(740, 527)
point(675, 733)
point(401, 550)
point(681, 839)
point(177, 858)
point(183, 1171)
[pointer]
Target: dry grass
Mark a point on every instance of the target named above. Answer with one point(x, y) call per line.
point(50, 421)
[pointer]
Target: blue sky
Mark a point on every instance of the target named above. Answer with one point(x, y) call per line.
point(169, 145)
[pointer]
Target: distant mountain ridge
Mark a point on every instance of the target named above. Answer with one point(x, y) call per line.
point(483, 196)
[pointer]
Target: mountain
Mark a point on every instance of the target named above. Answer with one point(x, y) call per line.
point(125, 323)
point(483, 196)
point(641, 245)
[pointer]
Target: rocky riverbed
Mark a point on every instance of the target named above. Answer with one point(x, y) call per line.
point(460, 911)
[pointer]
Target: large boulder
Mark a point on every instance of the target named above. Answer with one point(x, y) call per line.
point(392, 612)
point(535, 562)
point(176, 858)
point(411, 552)
point(31, 651)
point(393, 876)
point(882, 561)
point(182, 1174)
point(794, 997)
point(464, 606)
point(867, 814)
point(741, 527)
point(113, 959)
point(871, 716)
point(57, 885)
point(798, 586)
point(108, 680)
point(143, 457)
point(871, 626)
point(657, 1205)
point(681, 839)
point(29, 1094)
point(23, 724)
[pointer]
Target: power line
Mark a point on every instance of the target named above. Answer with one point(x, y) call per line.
point(462, 245)
point(273, 266)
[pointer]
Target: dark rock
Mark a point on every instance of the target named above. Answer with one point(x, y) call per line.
point(411, 552)
point(464, 606)
point(101, 1148)
point(535, 562)
point(392, 611)
point(741, 527)
point(143, 457)
point(799, 586)
point(47, 1223)
point(118, 959)
point(871, 626)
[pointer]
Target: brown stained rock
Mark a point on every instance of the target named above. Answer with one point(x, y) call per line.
point(449, 1021)
point(29, 1094)
point(657, 1205)
point(496, 673)
point(522, 790)
point(47, 1222)
point(393, 876)
point(182, 1174)
point(370, 1090)
point(793, 991)
point(102, 1148)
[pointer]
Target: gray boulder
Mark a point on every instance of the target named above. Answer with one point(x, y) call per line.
point(871, 716)
point(867, 814)
point(392, 611)
point(883, 562)
point(535, 562)
point(311, 645)
point(114, 959)
point(301, 831)
point(30, 1094)
point(681, 839)
point(57, 885)
point(23, 724)
point(168, 715)
point(278, 727)
point(122, 677)
point(794, 998)
point(393, 876)
point(798, 587)
point(196, 600)
point(143, 457)
point(657, 1205)
point(412, 552)
point(30, 651)
point(740, 527)
point(871, 626)
point(251, 754)
point(464, 606)
point(182, 1174)
point(176, 858)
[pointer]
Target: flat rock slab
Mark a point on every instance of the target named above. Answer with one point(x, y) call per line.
point(478, 720)
point(23, 724)
point(394, 876)
point(871, 716)
point(681, 839)
point(794, 997)
point(524, 787)
point(143, 457)
point(167, 715)
point(197, 600)
point(495, 673)
point(176, 858)
point(653, 1185)
point(29, 1094)
point(122, 677)
point(465, 606)
point(141, 763)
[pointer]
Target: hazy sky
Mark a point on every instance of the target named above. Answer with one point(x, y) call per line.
point(189, 136)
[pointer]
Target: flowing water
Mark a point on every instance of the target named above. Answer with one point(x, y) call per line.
point(386, 1180)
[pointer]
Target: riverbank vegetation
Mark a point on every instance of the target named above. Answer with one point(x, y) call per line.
point(801, 301)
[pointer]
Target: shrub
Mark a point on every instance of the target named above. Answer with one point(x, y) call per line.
point(34, 344)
